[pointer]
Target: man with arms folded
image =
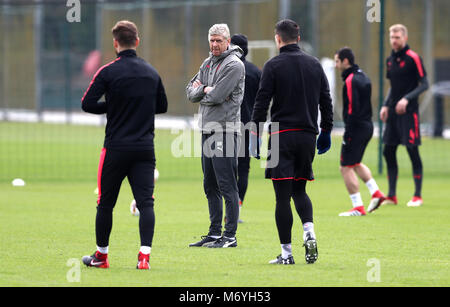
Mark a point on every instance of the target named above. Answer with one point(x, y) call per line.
point(219, 89)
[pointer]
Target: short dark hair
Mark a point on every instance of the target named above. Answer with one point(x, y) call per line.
point(288, 30)
point(346, 53)
point(126, 33)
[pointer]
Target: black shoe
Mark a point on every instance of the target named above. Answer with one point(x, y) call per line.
point(224, 242)
point(281, 260)
point(97, 260)
point(204, 242)
point(311, 253)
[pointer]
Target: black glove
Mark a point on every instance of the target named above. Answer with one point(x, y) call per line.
point(324, 142)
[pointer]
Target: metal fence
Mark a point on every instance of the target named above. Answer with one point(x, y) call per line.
point(46, 62)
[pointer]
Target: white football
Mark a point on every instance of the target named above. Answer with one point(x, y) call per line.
point(156, 176)
point(18, 182)
point(133, 209)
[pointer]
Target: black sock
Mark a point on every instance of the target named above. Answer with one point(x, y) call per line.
point(103, 225)
point(146, 225)
point(283, 212)
point(302, 202)
point(414, 155)
point(390, 154)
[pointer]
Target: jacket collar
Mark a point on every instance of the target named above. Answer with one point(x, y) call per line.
point(127, 52)
point(232, 49)
point(401, 52)
point(349, 71)
point(290, 48)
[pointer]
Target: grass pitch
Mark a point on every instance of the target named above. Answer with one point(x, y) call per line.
point(49, 223)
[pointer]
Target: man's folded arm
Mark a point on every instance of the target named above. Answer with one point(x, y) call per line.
point(225, 84)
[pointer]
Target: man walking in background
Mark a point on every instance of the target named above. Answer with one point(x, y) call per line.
point(400, 111)
point(252, 77)
point(219, 89)
point(134, 94)
point(357, 115)
point(299, 87)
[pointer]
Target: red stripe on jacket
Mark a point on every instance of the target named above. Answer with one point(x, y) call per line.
point(99, 174)
point(348, 82)
point(95, 76)
point(417, 60)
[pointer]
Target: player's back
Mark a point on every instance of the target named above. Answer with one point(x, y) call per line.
point(134, 88)
point(298, 88)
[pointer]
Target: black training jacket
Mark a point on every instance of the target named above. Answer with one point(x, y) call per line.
point(299, 87)
point(408, 78)
point(252, 78)
point(356, 94)
point(134, 93)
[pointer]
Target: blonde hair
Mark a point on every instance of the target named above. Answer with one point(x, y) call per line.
point(219, 29)
point(399, 28)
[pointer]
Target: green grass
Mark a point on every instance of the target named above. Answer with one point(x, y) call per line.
point(51, 220)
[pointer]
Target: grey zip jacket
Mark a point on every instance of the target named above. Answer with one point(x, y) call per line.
point(220, 109)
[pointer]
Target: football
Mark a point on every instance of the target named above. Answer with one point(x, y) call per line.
point(156, 175)
point(20, 182)
point(133, 209)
